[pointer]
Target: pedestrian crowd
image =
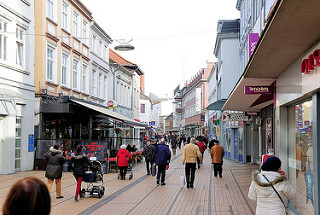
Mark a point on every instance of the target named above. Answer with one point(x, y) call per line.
point(269, 187)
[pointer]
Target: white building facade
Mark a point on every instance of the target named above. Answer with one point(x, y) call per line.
point(100, 76)
point(17, 89)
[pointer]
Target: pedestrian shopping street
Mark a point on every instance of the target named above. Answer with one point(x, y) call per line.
point(141, 195)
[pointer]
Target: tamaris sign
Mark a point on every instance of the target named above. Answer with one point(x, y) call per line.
point(309, 64)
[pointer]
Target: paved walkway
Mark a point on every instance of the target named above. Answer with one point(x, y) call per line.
point(141, 195)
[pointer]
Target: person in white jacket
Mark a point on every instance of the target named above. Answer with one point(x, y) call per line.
point(268, 202)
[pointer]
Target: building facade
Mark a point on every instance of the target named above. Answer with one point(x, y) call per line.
point(16, 86)
point(100, 77)
point(286, 91)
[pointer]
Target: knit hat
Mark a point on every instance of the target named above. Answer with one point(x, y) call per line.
point(271, 164)
point(123, 147)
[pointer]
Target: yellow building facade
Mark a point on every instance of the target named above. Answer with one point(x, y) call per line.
point(62, 48)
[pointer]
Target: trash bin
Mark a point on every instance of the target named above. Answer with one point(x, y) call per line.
point(104, 168)
point(65, 167)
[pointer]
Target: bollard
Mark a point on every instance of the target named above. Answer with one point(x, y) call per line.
point(65, 167)
point(104, 168)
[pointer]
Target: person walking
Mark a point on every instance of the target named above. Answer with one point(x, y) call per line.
point(269, 187)
point(28, 196)
point(217, 153)
point(122, 159)
point(148, 153)
point(78, 161)
point(202, 148)
point(55, 161)
point(174, 145)
point(190, 155)
point(162, 156)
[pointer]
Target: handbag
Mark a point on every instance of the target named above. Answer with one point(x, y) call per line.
point(276, 192)
point(167, 167)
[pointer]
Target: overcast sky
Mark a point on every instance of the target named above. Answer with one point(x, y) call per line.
point(173, 39)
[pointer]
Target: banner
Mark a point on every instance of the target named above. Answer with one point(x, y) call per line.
point(253, 40)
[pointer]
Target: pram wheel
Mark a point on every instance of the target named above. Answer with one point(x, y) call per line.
point(119, 176)
point(100, 194)
point(130, 176)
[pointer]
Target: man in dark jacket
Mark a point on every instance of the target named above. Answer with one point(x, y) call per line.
point(55, 161)
point(174, 145)
point(148, 154)
point(162, 156)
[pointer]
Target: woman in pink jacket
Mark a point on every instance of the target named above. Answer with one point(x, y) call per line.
point(122, 159)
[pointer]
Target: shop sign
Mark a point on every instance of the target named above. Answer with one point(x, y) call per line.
point(111, 104)
point(235, 117)
point(253, 40)
point(218, 131)
point(258, 90)
point(311, 63)
point(30, 143)
point(93, 147)
point(152, 123)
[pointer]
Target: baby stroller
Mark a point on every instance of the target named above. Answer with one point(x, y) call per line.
point(129, 171)
point(94, 180)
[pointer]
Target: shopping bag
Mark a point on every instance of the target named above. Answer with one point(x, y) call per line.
point(153, 169)
point(167, 167)
point(182, 180)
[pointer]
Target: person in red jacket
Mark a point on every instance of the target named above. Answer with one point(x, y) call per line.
point(122, 159)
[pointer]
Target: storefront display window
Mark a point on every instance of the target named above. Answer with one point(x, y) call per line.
point(301, 157)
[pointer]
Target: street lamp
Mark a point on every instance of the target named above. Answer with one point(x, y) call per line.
point(123, 46)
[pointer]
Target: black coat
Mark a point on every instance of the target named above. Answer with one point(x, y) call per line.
point(173, 143)
point(148, 152)
point(78, 162)
point(55, 161)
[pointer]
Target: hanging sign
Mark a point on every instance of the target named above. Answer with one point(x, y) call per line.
point(253, 40)
point(30, 143)
point(111, 104)
point(235, 117)
point(258, 90)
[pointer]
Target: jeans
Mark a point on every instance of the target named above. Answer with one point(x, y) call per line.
point(190, 167)
point(217, 168)
point(149, 167)
point(58, 186)
point(123, 171)
point(162, 171)
point(78, 190)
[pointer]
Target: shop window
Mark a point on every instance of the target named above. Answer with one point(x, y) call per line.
point(301, 156)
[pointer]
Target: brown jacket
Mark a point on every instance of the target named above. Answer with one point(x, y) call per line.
point(217, 153)
point(190, 153)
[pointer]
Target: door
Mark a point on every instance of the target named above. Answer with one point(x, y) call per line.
point(236, 144)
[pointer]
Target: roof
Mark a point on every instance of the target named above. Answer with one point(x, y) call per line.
point(228, 26)
point(115, 57)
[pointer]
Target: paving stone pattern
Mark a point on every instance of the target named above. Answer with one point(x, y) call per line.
point(141, 195)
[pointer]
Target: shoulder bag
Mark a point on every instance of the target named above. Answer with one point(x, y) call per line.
point(276, 193)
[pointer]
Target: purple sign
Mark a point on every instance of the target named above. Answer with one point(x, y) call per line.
point(258, 90)
point(253, 40)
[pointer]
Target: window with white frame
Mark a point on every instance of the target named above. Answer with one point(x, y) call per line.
point(75, 24)
point(17, 147)
point(50, 5)
point(65, 69)
point(84, 77)
point(105, 87)
point(65, 15)
point(3, 40)
point(100, 48)
point(50, 62)
point(75, 74)
point(19, 46)
point(100, 86)
point(94, 87)
point(84, 31)
point(105, 53)
point(94, 43)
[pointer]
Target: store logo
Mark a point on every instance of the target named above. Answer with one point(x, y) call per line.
point(111, 104)
point(311, 63)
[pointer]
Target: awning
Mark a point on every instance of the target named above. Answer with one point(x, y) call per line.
point(113, 115)
point(238, 101)
point(217, 105)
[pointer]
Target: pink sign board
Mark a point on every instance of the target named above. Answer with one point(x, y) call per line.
point(253, 40)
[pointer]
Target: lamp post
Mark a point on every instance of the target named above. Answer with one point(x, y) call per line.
point(123, 46)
